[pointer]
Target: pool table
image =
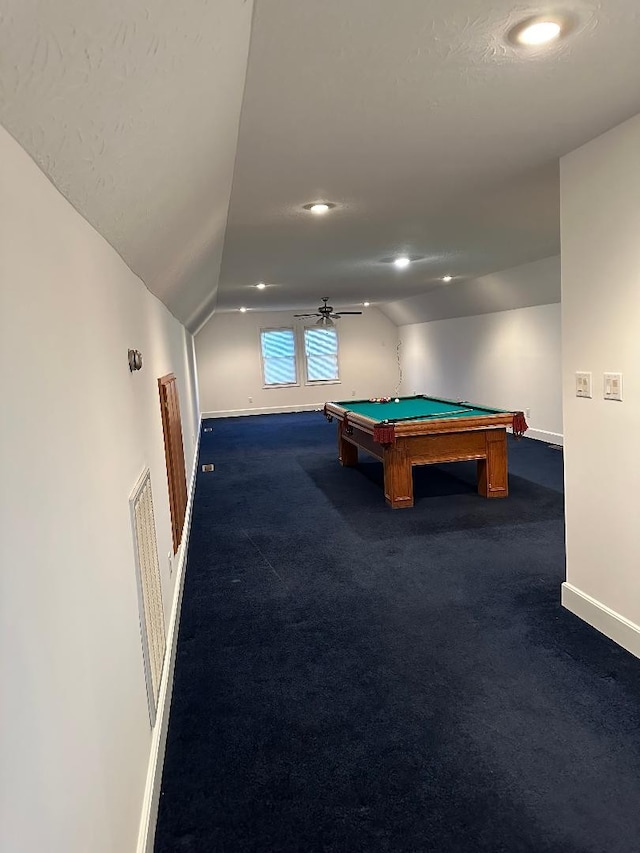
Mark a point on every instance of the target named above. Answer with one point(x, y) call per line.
point(423, 430)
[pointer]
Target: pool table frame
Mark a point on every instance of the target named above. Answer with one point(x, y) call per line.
point(427, 442)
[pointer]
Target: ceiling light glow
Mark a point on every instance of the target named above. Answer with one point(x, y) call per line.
point(541, 29)
point(402, 262)
point(261, 285)
point(243, 310)
point(447, 277)
point(366, 304)
point(539, 33)
point(318, 207)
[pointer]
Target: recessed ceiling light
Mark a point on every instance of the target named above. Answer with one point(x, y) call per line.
point(261, 285)
point(366, 304)
point(539, 33)
point(243, 309)
point(447, 277)
point(540, 30)
point(319, 207)
point(401, 260)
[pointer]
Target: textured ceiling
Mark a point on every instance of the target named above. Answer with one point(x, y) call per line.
point(131, 107)
point(430, 133)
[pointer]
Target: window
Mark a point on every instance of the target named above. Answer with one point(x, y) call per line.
point(321, 354)
point(278, 347)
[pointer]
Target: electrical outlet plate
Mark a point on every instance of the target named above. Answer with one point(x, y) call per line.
point(583, 385)
point(613, 386)
point(208, 467)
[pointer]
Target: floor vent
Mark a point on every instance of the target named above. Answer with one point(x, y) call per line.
point(149, 588)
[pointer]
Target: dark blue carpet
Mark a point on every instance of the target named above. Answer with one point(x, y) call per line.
point(353, 679)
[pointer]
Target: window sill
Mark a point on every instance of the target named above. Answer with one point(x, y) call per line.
point(284, 385)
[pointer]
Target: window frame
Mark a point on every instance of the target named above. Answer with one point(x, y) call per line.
point(270, 385)
point(312, 382)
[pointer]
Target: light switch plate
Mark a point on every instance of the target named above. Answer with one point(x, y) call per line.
point(613, 386)
point(583, 385)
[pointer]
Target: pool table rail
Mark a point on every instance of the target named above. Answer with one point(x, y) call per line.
point(414, 426)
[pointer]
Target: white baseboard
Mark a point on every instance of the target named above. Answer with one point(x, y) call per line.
point(148, 818)
point(602, 618)
point(536, 434)
point(543, 435)
point(266, 410)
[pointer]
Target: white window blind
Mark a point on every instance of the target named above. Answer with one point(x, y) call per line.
point(321, 354)
point(278, 356)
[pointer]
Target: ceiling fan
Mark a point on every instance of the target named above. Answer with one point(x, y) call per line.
point(326, 315)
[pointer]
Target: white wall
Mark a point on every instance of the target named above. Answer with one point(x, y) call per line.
point(600, 222)
point(229, 367)
point(510, 360)
point(77, 430)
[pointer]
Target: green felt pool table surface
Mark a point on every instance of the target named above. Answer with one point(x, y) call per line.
point(414, 408)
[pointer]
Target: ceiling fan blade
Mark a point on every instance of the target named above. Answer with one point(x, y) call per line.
point(340, 313)
point(307, 315)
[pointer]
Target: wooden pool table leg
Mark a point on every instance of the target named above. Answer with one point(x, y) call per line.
point(347, 452)
point(398, 478)
point(492, 470)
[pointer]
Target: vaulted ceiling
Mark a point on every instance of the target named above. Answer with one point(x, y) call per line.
point(428, 130)
point(131, 107)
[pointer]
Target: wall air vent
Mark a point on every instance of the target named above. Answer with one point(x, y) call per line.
point(149, 588)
